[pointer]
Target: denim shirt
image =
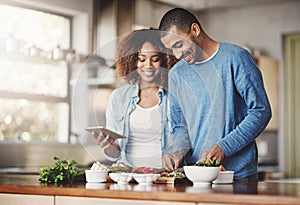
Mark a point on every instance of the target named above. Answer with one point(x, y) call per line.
point(219, 101)
point(121, 104)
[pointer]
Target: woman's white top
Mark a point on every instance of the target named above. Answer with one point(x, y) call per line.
point(144, 142)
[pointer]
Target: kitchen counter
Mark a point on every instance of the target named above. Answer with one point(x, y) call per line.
point(236, 193)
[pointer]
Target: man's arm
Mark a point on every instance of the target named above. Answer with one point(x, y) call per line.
point(249, 85)
point(181, 143)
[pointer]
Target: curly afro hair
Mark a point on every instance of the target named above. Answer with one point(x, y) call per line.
point(128, 50)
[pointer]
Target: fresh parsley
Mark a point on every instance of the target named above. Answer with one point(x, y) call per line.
point(63, 172)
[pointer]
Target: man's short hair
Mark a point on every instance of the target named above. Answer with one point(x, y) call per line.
point(180, 18)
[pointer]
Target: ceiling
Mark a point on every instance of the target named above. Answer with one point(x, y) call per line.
point(210, 4)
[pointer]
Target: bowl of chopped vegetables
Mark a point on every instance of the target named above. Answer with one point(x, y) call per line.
point(203, 173)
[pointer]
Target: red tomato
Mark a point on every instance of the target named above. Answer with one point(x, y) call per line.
point(222, 168)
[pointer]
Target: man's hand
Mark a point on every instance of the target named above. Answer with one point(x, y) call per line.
point(214, 153)
point(171, 161)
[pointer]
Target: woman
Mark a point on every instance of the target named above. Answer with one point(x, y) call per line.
point(139, 110)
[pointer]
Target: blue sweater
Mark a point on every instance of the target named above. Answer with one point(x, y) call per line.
point(219, 101)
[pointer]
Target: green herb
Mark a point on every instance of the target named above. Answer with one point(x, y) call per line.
point(209, 163)
point(62, 172)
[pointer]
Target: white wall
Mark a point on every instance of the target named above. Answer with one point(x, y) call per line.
point(260, 27)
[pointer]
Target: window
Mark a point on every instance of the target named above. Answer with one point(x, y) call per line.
point(34, 94)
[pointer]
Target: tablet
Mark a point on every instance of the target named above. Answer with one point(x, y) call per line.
point(105, 131)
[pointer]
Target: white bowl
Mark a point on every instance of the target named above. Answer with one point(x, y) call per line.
point(201, 175)
point(120, 177)
point(93, 176)
point(224, 177)
point(145, 178)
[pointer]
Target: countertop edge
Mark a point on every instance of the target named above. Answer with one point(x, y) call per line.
point(158, 196)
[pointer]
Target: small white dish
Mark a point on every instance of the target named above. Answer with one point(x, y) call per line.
point(145, 179)
point(120, 177)
point(93, 176)
point(224, 177)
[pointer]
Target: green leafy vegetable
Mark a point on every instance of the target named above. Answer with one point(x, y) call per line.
point(209, 163)
point(63, 172)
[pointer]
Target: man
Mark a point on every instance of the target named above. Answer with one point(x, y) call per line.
point(218, 101)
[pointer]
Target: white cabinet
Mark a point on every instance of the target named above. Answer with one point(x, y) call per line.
point(62, 200)
point(15, 199)
point(26, 199)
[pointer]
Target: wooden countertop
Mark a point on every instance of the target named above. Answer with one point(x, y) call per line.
point(236, 193)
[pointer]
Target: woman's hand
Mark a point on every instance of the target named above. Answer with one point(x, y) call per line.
point(108, 144)
point(103, 141)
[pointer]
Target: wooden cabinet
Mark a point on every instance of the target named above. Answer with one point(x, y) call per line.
point(62, 200)
point(14, 199)
point(269, 70)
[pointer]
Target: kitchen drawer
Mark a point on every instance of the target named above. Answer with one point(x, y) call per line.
point(14, 199)
point(62, 200)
